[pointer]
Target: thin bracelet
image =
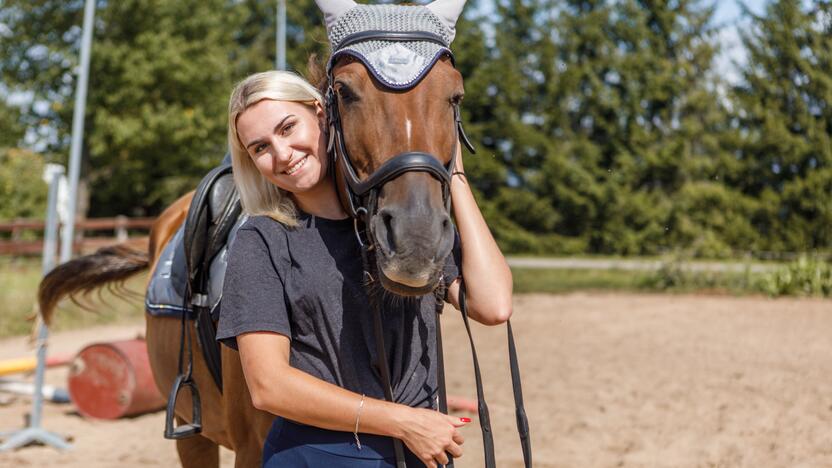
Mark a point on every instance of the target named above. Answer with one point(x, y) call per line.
point(458, 173)
point(357, 419)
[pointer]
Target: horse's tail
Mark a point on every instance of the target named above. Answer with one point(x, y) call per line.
point(109, 266)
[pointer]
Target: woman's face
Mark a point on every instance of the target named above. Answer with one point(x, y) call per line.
point(286, 143)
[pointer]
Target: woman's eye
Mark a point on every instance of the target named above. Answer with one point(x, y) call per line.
point(287, 128)
point(260, 147)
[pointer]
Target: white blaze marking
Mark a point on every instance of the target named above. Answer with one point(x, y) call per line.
point(407, 126)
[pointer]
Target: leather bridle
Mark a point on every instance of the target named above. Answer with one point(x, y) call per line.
point(358, 196)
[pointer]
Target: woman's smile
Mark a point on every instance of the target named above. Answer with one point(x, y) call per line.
point(294, 168)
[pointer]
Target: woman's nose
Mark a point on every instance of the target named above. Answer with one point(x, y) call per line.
point(282, 152)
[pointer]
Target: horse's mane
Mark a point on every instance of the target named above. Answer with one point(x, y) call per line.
point(316, 73)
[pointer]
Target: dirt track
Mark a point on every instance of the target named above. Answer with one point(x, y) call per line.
point(610, 380)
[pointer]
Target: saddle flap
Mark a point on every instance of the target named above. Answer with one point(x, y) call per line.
point(213, 211)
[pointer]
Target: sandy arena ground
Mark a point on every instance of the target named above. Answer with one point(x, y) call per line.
point(609, 380)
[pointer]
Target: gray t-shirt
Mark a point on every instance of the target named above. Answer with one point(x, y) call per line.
point(306, 283)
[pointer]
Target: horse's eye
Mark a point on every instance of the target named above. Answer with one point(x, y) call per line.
point(456, 99)
point(345, 93)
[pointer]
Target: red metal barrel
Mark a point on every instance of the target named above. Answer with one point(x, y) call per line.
point(111, 380)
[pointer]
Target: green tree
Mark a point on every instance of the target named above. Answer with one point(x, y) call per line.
point(255, 38)
point(500, 58)
point(783, 119)
point(601, 111)
point(11, 130)
point(22, 188)
point(159, 81)
point(635, 109)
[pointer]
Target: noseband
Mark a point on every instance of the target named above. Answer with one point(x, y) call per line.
point(358, 196)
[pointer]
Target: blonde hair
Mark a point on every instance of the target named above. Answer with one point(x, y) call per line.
point(257, 194)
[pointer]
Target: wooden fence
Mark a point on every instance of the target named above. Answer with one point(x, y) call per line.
point(25, 236)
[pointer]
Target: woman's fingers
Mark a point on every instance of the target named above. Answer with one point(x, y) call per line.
point(458, 422)
point(454, 450)
point(433, 436)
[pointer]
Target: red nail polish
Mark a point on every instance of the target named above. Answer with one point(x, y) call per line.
point(465, 420)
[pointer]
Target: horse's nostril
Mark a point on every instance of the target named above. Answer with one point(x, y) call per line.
point(387, 219)
point(446, 238)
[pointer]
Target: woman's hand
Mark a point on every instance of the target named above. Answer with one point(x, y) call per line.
point(429, 434)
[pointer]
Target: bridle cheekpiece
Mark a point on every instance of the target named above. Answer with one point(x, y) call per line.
point(359, 196)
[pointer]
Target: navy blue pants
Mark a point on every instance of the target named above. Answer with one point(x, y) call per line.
point(294, 445)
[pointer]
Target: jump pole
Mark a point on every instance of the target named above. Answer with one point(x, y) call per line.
point(280, 35)
point(68, 234)
point(20, 365)
point(34, 432)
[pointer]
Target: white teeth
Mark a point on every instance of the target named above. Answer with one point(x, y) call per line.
point(297, 166)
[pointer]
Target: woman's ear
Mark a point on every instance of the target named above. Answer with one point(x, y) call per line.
point(319, 112)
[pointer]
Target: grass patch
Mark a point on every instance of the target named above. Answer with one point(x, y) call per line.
point(674, 278)
point(806, 277)
point(533, 280)
point(19, 278)
point(667, 279)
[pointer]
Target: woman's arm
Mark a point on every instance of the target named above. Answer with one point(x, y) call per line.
point(280, 389)
point(487, 276)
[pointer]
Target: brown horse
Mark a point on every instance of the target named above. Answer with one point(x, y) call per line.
point(229, 419)
point(411, 227)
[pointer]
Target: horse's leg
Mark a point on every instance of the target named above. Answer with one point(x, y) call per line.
point(197, 451)
point(249, 455)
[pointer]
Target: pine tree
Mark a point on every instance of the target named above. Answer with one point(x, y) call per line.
point(633, 107)
point(503, 58)
point(784, 122)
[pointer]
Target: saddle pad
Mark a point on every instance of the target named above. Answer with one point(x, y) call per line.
point(396, 64)
point(165, 295)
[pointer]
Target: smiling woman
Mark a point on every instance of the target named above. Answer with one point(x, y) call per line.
point(299, 304)
point(285, 140)
point(276, 138)
point(294, 292)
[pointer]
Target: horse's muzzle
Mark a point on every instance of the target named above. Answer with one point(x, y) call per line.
point(412, 244)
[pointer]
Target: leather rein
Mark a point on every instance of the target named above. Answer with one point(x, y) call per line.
point(360, 197)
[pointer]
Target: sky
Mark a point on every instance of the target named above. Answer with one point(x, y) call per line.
point(728, 15)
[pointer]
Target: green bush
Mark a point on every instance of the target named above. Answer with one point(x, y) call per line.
point(22, 189)
point(668, 276)
point(675, 275)
point(804, 277)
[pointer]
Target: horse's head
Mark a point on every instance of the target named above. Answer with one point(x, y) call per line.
point(393, 100)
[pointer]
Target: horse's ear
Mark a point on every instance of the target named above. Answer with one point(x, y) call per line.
point(448, 11)
point(332, 9)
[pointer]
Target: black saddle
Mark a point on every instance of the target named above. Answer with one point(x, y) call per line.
point(214, 210)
